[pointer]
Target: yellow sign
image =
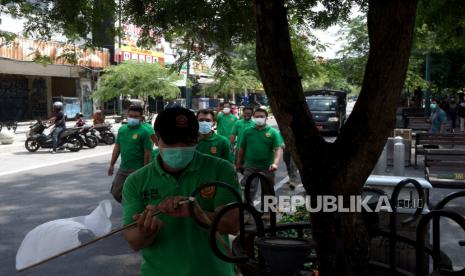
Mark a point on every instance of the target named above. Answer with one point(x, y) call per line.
point(141, 51)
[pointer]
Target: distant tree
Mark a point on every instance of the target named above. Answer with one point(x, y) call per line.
point(138, 80)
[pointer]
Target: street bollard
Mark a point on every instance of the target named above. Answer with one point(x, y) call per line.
point(399, 157)
point(380, 168)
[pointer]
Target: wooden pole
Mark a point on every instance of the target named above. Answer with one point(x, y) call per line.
point(94, 240)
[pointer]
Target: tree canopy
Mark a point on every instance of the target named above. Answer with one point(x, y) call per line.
point(137, 80)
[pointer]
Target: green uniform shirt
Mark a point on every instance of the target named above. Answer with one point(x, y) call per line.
point(239, 128)
point(259, 146)
point(217, 146)
point(133, 141)
point(181, 248)
point(149, 127)
point(224, 124)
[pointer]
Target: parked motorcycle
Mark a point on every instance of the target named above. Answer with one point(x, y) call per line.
point(103, 133)
point(89, 139)
point(69, 138)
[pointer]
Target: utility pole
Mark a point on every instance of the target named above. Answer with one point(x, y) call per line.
point(188, 88)
point(120, 100)
point(427, 95)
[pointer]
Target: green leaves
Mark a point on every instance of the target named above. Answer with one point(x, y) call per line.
point(138, 80)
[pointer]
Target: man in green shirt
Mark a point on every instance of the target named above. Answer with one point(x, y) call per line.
point(260, 150)
point(225, 121)
point(209, 142)
point(135, 146)
point(172, 243)
point(240, 126)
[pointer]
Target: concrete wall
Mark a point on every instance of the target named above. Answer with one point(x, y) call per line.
point(33, 69)
point(65, 87)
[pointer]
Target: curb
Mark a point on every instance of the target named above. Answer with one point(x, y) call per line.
point(12, 148)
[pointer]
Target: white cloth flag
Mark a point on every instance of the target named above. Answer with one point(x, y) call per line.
point(57, 236)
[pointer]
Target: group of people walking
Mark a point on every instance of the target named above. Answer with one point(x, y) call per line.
point(443, 112)
point(191, 149)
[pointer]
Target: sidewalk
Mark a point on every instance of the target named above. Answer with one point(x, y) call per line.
point(23, 128)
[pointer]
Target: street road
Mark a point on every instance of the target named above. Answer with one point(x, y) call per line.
point(32, 197)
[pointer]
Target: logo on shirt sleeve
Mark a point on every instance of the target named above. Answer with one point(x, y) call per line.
point(268, 135)
point(207, 192)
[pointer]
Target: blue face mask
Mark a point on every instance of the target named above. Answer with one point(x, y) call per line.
point(433, 106)
point(205, 127)
point(133, 122)
point(177, 158)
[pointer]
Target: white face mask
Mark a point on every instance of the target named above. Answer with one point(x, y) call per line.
point(260, 121)
point(226, 110)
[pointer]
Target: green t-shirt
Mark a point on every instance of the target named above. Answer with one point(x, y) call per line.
point(149, 127)
point(224, 124)
point(181, 247)
point(259, 146)
point(133, 141)
point(217, 146)
point(239, 128)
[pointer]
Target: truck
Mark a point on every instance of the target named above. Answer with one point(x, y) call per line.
point(328, 108)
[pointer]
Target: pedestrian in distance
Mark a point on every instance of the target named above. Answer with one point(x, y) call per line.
point(239, 127)
point(211, 143)
point(225, 121)
point(259, 151)
point(80, 120)
point(98, 118)
point(438, 118)
point(134, 144)
point(461, 113)
point(291, 168)
point(172, 243)
point(452, 109)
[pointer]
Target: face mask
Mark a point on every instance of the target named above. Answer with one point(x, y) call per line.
point(433, 106)
point(205, 127)
point(226, 110)
point(260, 121)
point(133, 122)
point(177, 158)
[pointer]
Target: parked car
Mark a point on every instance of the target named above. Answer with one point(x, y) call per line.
point(328, 108)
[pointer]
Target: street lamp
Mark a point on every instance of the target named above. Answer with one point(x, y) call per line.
point(179, 52)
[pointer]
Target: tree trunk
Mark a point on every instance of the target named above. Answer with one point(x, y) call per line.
point(342, 167)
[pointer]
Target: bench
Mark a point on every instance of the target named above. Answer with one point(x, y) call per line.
point(445, 170)
point(417, 123)
point(447, 140)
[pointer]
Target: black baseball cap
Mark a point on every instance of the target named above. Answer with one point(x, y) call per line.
point(177, 125)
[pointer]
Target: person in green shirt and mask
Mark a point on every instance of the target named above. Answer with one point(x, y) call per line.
point(240, 126)
point(209, 142)
point(135, 146)
point(260, 150)
point(225, 121)
point(172, 243)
